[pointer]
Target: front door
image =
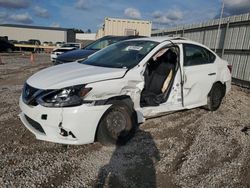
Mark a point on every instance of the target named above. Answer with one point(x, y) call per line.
point(173, 97)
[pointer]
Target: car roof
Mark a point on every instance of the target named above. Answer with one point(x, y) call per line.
point(122, 37)
point(161, 39)
point(4, 41)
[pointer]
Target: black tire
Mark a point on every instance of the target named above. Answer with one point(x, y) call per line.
point(117, 125)
point(9, 50)
point(215, 97)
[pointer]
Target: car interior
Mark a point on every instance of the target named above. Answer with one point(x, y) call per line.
point(159, 76)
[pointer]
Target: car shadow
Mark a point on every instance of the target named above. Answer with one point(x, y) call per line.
point(132, 164)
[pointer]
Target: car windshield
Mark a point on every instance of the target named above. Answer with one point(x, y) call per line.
point(102, 43)
point(126, 54)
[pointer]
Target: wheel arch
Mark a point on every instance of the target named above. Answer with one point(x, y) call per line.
point(212, 102)
point(125, 99)
point(223, 86)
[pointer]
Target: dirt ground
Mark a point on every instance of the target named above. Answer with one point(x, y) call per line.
point(192, 148)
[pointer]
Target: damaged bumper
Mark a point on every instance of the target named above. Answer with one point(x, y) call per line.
point(73, 125)
point(228, 85)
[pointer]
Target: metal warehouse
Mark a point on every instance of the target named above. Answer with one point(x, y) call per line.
point(233, 41)
point(124, 27)
point(26, 32)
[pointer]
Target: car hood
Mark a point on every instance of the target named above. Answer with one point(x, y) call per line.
point(70, 74)
point(74, 55)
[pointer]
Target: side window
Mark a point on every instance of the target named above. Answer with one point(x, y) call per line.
point(101, 44)
point(212, 57)
point(196, 55)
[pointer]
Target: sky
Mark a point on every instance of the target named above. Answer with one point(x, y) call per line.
point(90, 14)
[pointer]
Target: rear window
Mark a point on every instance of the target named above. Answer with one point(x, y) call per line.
point(197, 55)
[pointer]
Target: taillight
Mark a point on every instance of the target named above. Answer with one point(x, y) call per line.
point(230, 68)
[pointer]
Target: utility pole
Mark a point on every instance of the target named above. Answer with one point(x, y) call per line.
point(217, 37)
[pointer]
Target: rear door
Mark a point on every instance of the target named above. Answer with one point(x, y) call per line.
point(199, 74)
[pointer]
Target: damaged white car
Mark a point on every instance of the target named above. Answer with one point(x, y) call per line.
point(104, 97)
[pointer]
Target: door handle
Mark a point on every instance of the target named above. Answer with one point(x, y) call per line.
point(211, 74)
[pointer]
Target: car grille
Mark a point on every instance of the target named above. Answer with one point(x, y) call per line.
point(34, 124)
point(29, 95)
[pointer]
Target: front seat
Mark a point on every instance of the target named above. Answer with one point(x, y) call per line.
point(151, 95)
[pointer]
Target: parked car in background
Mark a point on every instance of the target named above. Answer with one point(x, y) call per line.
point(6, 46)
point(59, 44)
point(90, 49)
point(64, 48)
point(23, 42)
point(34, 42)
point(13, 41)
point(24, 48)
point(105, 96)
point(45, 43)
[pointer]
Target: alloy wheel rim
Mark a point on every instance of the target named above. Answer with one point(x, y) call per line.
point(116, 123)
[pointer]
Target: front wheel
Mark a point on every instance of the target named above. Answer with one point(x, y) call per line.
point(215, 97)
point(9, 50)
point(117, 125)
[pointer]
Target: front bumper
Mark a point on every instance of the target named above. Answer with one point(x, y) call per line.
point(228, 85)
point(46, 123)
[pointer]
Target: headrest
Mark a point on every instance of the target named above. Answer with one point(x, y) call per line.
point(168, 57)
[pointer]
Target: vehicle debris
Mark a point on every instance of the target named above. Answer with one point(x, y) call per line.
point(246, 130)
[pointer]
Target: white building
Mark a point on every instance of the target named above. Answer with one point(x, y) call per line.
point(124, 27)
point(86, 36)
point(26, 32)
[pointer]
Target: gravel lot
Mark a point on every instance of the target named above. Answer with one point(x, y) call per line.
point(193, 148)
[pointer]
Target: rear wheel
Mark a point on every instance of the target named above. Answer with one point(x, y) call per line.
point(117, 124)
point(215, 97)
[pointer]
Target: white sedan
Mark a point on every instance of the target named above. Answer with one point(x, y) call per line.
point(64, 48)
point(105, 96)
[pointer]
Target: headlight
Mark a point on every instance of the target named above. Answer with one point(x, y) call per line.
point(66, 97)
